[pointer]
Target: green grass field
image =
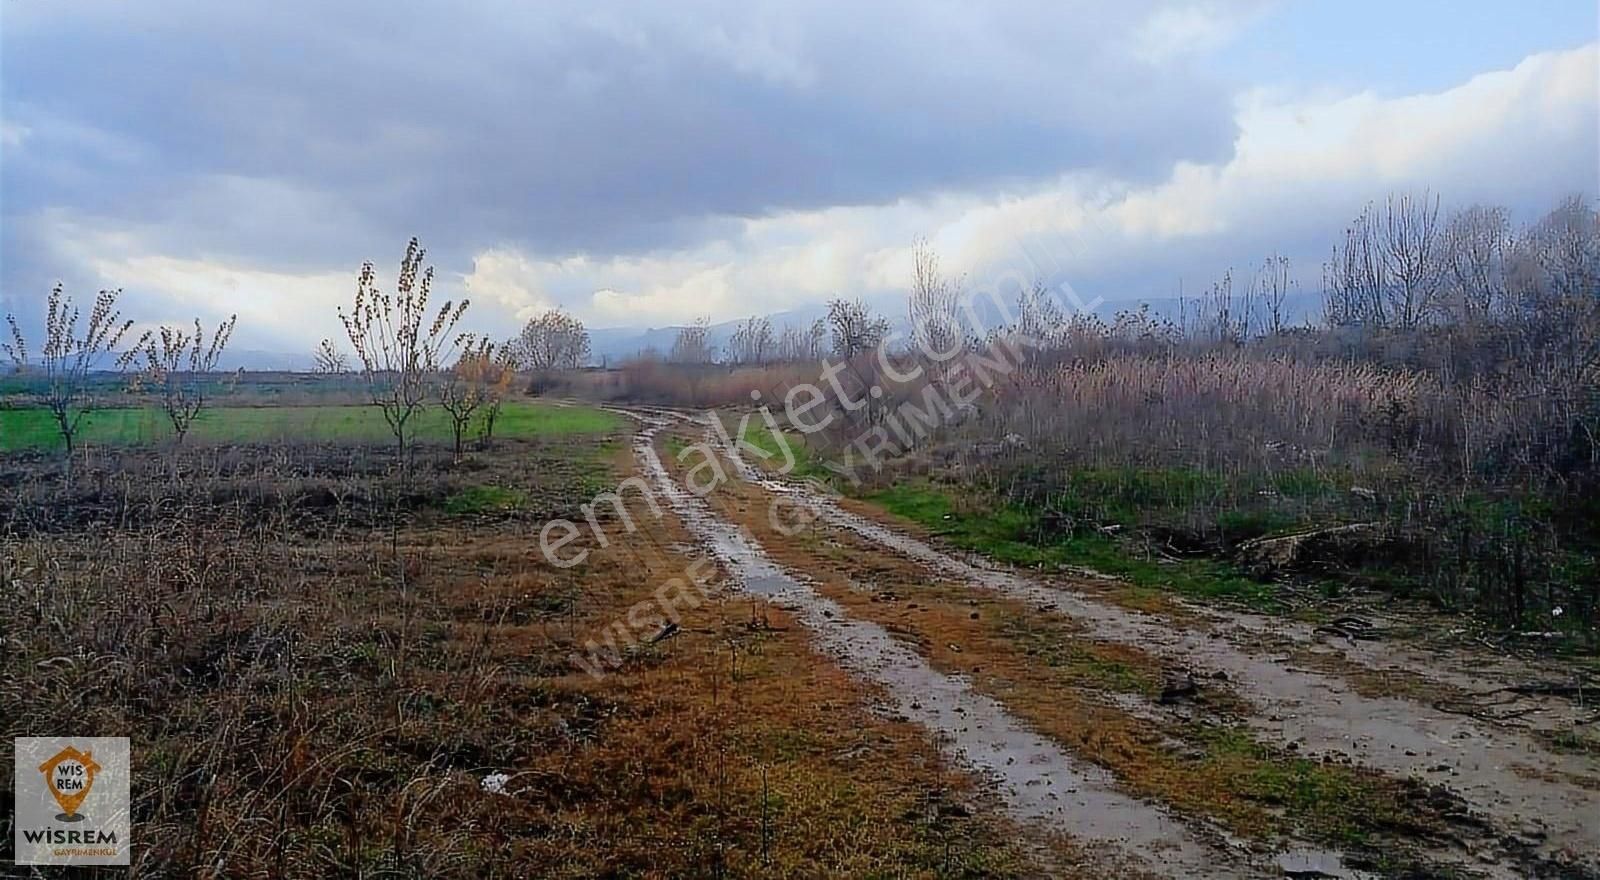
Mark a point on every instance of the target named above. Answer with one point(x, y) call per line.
point(35, 429)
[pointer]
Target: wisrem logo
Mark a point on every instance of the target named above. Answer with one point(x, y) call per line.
point(72, 800)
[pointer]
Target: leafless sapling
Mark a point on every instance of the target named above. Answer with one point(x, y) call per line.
point(68, 357)
point(329, 359)
point(398, 346)
point(468, 386)
point(177, 364)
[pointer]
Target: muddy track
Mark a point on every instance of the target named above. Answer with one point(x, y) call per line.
point(1542, 802)
point(1039, 783)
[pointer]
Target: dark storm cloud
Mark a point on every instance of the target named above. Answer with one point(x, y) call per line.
point(299, 134)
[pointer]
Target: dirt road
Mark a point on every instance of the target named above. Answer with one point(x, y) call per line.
point(1386, 768)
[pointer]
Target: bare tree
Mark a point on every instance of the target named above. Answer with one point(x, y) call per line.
point(1275, 286)
point(855, 330)
point(329, 359)
point(68, 357)
point(693, 344)
point(752, 343)
point(499, 374)
point(1039, 317)
point(554, 340)
point(791, 344)
point(1476, 242)
point(466, 386)
point(1553, 287)
point(803, 343)
point(1391, 269)
point(398, 352)
point(1566, 247)
point(815, 340)
point(1225, 315)
point(1411, 247)
point(1355, 278)
point(933, 306)
point(178, 364)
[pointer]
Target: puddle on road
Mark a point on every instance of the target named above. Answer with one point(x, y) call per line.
point(1037, 781)
point(1321, 713)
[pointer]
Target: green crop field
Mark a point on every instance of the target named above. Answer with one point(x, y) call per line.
point(34, 428)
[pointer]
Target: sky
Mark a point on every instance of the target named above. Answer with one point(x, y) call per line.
point(647, 164)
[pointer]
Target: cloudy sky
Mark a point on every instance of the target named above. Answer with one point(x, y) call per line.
point(646, 164)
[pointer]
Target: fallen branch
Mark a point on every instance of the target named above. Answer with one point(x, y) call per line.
point(667, 632)
point(1352, 628)
point(1544, 689)
point(1456, 708)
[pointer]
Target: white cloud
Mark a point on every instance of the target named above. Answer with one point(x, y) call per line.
point(1193, 28)
point(1301, 166)
point(508, 280)
point(606, 127)
point(13, 134)
point(275, 308)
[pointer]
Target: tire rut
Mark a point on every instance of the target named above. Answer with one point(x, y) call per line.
point(1544, 802)
point(1039, 783)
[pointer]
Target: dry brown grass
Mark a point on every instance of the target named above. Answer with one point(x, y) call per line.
point(1050, 675)
point(316, 692)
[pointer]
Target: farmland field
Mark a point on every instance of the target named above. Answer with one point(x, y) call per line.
point(34, 428)
point(856, 697)
point(316, 640)
point(1154, 440)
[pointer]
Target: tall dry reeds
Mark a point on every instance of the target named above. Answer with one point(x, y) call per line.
point(1224, 406)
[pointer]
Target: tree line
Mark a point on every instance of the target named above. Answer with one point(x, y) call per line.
point(169, 359)
point(1401, 266)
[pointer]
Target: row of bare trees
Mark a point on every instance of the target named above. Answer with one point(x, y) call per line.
point(1450, 397)
point(849, 328)
point(405, 371)
point(173, 361)
point(1407, 264)
point(753, 342)
point(1401, 265)
point(1233, 312)
point(409, 354)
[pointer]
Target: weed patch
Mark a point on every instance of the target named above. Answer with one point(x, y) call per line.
point(1020, 536)
point(484, 500)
